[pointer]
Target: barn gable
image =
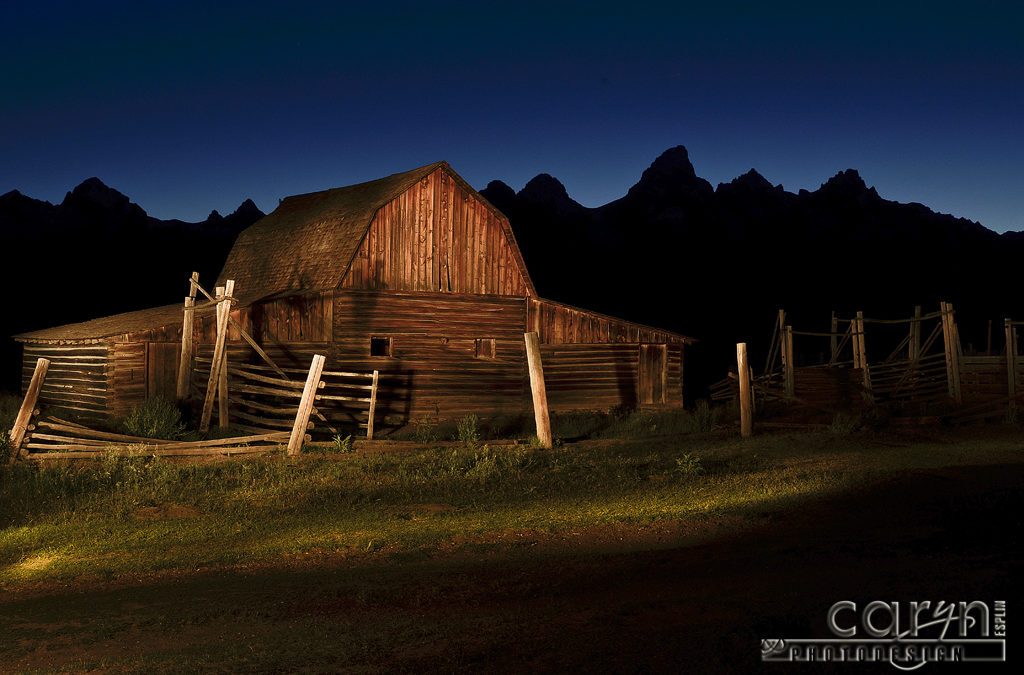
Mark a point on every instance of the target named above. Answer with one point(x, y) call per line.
point(424, 229)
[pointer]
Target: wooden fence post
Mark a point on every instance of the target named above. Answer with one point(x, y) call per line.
point(185, 364)
point(540, 396)
point(952, 350)
point(222, 382)
point(218, 363)
point(373, 407)
point(316, 368)
point(28, 406)
point(788, 371)
point(743, 373)
point(1011, 367)
point(862, 348)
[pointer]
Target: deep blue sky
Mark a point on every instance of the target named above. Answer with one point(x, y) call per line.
point(187, 108)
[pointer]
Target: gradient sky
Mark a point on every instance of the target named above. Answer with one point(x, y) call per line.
point(187, 107)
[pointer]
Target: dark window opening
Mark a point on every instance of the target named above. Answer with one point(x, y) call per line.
point(380, 346)
point(485, 348)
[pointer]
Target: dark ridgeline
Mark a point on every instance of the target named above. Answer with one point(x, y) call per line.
point(97, 253)
point(717, 263)
point(713, 263)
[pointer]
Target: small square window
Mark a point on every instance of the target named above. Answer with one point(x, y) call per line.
point(485, 348)
point(380, 346)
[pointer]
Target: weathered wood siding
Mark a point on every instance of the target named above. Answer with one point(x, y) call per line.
point(449, 354)
point(437, 236)
point(77, 380)
point(281, 321)
point(562, 324)
point(604, 376)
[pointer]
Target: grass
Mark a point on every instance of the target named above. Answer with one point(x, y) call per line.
point(143, 514)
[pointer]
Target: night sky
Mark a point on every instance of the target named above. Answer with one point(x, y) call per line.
point(188, 107)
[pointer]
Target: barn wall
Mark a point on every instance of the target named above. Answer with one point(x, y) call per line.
point(437, 236)
point(450, 354)
point(556, 323)
point(77, 379)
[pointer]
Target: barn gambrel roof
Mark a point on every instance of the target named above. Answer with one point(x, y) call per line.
point(309, 241)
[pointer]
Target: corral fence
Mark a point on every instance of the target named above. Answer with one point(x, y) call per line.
point(926, 369)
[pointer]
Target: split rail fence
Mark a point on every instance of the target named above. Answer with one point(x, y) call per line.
point(274, 404)
point(926, 368)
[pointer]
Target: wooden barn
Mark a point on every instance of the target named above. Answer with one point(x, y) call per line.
point(416, 276)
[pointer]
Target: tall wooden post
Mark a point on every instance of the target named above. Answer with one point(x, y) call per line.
point(185, 363)
point(788, 372)
point(914, 343)
point(373, 407)
point(743, 373)
point(316, 368)
point(862, 349)
point(540, 396)
point(218, 362)
point(951, 343)
point(1011, 366)
point(28, 406)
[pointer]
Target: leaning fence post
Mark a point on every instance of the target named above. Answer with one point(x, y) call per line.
point(540, 396)
point(218, 362)
point(373, 407)
point(28, 405)
point(316, 368)
point(222, 383)
point(743, 373)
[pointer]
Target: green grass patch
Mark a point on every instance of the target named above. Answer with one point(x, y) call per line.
point(126, 515)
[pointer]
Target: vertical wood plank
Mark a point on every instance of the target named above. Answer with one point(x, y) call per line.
point(316, 368)
point(540, 397)
point(746, 407)
point(28, 405)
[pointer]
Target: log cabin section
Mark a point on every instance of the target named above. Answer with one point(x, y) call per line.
point(415, 275)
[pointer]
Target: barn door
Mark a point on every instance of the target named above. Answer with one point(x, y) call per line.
point(162, 369)
point(651, 374)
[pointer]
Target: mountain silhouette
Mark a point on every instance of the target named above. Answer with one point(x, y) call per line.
point(98, 253)
point(718, 263)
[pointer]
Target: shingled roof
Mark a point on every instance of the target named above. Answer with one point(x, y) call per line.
point(308, 242)
point(95, 330)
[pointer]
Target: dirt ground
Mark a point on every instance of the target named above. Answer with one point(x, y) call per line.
point(665, 598)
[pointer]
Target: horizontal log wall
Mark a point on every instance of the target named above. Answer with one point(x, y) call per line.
point(450, 354)
point(590, 377)
point(556, 323)
point(285, 320)
point(77, 380)
point(438, 236)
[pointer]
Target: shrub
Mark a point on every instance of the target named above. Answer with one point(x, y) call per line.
point(468, 431)
point(689, 465)
point(155, 418)
point(339, 444)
